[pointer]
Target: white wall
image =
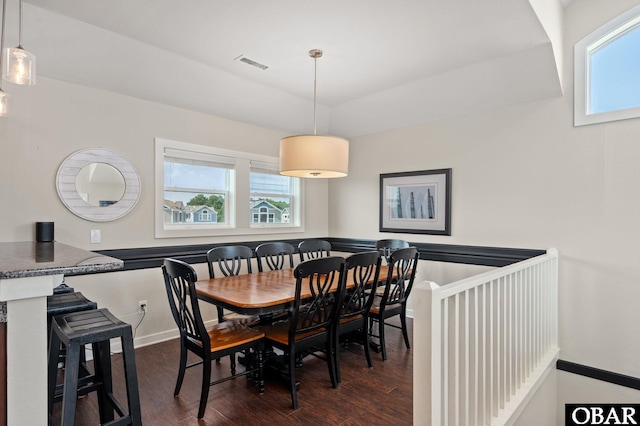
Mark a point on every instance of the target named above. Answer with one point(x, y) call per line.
point(523, 176)
point(51, 120)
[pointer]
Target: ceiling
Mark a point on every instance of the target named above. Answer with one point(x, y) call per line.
point(386, 64)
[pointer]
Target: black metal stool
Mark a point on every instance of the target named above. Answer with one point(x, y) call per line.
point(95, 327)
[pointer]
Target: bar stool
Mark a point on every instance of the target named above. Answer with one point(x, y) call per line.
point(65, 303)
point(95, 327)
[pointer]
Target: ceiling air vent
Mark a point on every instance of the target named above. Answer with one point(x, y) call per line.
point(251, 62)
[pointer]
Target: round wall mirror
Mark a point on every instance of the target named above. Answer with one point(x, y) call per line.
point(98, 184)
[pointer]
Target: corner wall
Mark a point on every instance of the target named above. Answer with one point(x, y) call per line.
point(523, 176)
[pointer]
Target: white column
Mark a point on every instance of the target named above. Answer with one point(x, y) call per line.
point(27, 347)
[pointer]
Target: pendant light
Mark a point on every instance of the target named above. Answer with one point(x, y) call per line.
point(314, 156)
point(20, 65)
point(4, 98)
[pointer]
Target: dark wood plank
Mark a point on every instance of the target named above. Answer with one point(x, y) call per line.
point(380, 395)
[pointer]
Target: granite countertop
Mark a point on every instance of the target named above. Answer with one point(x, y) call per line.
point(31, 259)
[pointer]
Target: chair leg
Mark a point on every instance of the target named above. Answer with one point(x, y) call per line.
point(405, 333)
point(367, 341)
point(383, 346)
point(335, 352)
point(331, 361)
point(220, 321)
point(232, 361)
point(181, 369)
point(292, 380)
point(206, 383)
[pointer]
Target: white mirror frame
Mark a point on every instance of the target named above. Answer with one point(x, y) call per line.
point(66, 184)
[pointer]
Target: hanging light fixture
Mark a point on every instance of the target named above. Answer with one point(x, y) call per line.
point(20, 65)
point(314, 156)
point(4, 98)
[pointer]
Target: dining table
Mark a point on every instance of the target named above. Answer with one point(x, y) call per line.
point(260, 293)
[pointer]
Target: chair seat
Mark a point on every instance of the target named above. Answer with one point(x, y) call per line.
point(351, 319)
point(375, 308)
point(230, 334)
point(279, 332)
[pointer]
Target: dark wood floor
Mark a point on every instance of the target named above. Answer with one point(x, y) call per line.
point(381, 395)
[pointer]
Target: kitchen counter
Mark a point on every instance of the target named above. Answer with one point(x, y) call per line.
point(28, 273)
point(29, 259)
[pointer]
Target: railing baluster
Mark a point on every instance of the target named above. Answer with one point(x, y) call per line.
point(445, 362)
point(456, 359)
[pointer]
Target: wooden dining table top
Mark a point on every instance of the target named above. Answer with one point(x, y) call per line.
point(257, 293)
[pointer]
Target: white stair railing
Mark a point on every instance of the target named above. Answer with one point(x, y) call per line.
point(483, 345)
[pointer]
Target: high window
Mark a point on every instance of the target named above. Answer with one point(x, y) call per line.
point(204, 191)
point(607, 72)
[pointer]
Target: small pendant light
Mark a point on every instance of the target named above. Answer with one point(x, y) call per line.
point(20, 65)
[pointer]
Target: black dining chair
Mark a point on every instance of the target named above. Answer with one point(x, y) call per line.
point(314, 249)
point(385, 247)
point(230, 260)
point(275, 255)
point(226, 338)
point(363, 270)
point(309, 328)
point(401, 274)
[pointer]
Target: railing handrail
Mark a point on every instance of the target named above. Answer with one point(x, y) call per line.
point(471, 282)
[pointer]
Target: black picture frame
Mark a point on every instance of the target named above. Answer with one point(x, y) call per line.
point(416, 202)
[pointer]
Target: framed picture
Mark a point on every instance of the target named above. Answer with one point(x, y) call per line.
point(416, 202)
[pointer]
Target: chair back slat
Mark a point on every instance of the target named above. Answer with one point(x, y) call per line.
point(179, 279)
point(364, 270)
point(402, 263)
point(276, 255)
point(229, 260)
point(314, 249)
point(324, 278)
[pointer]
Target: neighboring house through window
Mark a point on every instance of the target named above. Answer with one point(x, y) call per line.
point(197, 188)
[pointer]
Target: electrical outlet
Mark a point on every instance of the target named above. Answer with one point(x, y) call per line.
point(142, 306)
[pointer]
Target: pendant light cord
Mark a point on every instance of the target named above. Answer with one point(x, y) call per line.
point(315, 74)
point(4, 12)
point(19, 27)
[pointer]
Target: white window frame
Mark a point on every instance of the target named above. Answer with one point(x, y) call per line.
point(607, 33)
point(296, 201)
point(238, 211)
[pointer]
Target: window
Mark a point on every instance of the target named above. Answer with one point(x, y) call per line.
point(272, 196)
point(607, 72)
point(203, 191)
point(196, 188)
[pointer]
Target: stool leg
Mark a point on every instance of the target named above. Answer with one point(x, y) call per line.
point(102, 366)
point(70, 392)
point(52, 369)
point(131, 377)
